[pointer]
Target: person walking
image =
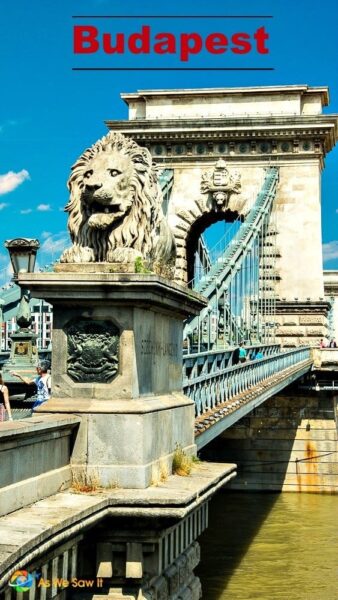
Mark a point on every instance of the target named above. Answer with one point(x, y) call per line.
point(333, 343)
point(242, 353)
point(42, 382)
point(4, 402)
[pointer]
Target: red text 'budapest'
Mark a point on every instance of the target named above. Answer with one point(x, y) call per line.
point(89, 40)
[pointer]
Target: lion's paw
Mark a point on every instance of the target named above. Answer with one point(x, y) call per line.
point(123, 255)
point(78, 254)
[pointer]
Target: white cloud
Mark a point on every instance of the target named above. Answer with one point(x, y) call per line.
point(10, 181)
point(3, 205)
point(55, 244)
point(330, 250)
point(25, 211)
point(44, 207)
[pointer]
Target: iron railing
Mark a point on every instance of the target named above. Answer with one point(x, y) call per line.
point(208, 385)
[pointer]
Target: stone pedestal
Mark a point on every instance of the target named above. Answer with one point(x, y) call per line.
point(23, 358)
point(117, 362)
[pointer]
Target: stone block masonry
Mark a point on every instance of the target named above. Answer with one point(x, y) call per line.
point(288, 444)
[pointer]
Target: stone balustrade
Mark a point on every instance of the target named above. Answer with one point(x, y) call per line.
point(35, 459)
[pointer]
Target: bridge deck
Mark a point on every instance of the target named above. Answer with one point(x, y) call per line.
point(213, 423)
point(225, 397)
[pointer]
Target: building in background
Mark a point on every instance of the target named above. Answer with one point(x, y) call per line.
point(42, 317)
point(331, 293)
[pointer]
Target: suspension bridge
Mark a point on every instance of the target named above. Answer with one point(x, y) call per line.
point(237, 276)
point(97, 497)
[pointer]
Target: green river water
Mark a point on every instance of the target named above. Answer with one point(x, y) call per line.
point(270, 547)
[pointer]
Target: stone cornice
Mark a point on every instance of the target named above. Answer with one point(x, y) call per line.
point(299, 89)
point(320, 128)
point(224, 121)
point(331, 290)
point(302, 307)
point(330, 282)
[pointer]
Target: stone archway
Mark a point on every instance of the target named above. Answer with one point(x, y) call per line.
point(220, 200)
point(196, 230)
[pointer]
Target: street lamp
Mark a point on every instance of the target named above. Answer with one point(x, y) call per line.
point(22, 252)
point(23, 355)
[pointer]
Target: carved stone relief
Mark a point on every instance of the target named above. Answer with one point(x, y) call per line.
point(92, 351)
point(220, 184)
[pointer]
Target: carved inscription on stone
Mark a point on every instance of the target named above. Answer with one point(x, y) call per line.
point(157, 348)
point(92, 351)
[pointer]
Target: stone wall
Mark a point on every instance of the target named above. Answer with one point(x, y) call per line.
point(298, 220)
point(287, 444)
point(301, 323)
point(140, 559)
point(35, 459)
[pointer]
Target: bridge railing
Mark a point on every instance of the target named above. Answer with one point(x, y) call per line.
point(210, 388)
point(220, 358)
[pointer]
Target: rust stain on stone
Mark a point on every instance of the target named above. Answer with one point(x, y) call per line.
point(299, 477)
point(311, 464)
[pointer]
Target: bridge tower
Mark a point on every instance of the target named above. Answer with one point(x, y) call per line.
point(189, 131)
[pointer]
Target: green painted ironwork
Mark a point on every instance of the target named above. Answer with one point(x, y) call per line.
point(239, 284)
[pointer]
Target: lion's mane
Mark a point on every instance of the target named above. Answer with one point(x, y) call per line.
point(143, 228)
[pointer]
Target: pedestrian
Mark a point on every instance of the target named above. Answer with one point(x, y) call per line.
point(323, 343)
point(4, 402)
point(333, 343)
point(259, 354)
point(242, 353)
point(235, 357)
point(42, 382)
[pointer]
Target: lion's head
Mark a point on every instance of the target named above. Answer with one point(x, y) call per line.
point(116, 204)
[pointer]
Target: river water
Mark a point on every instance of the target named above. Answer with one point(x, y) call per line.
point(270, 547)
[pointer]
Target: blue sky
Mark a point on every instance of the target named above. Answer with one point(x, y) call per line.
point(49, 114)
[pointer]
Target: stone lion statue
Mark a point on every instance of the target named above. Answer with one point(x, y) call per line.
point(115, 206)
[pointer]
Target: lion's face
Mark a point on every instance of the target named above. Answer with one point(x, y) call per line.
point(107, 193)
point(114, 207)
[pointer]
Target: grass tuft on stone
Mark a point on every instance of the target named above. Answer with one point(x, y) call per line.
point(182, 463)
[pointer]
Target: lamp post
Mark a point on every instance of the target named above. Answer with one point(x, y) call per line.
point(254, 334)
point(23, 355)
